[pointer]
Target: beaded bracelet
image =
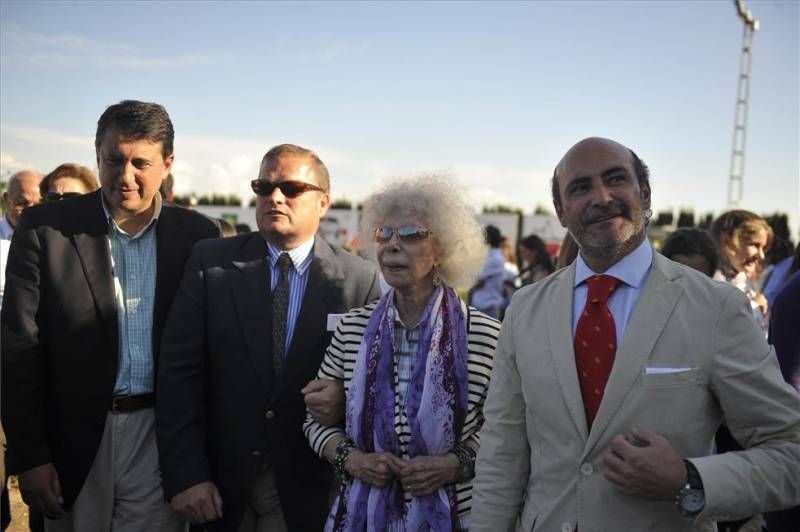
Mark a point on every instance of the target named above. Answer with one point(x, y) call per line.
point(340, 456)
point(466, 461)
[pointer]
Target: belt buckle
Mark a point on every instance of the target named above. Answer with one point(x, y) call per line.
point(114, 403)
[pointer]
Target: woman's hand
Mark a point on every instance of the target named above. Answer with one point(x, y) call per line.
point(423, 475)
point(376, 469)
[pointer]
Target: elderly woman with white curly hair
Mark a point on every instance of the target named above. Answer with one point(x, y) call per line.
point(415, 367)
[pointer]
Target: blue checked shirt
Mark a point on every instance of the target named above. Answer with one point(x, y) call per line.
point(298, 279)
point(133, 262)
point(406, 343)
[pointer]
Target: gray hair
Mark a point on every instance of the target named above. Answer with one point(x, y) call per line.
point(441, 204)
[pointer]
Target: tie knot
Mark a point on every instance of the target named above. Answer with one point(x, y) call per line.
point(284, 262)
point(601, 287)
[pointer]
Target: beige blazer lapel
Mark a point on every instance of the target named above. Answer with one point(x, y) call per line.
point(648, 319)
point(562, 351)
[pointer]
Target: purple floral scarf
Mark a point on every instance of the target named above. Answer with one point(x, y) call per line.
point(436, 405)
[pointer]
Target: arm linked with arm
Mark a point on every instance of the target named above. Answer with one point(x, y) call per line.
point(332, 368)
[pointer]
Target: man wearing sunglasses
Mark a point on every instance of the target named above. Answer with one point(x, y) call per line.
point(245, 334)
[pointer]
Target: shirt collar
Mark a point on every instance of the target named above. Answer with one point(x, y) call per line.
point(116, 228)
point(630, 270)
point(301, 255)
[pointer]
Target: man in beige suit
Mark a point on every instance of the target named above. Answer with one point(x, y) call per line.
point(569, 445)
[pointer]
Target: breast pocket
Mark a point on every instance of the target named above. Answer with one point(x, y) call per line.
point(686, 377)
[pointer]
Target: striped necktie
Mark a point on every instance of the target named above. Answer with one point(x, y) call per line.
point(280, 312)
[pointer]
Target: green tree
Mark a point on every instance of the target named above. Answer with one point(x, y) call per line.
point(686, 218)
point(663, 218)
point(501, 209)
point(705, 221)
point(342, 203)
point(780, 225)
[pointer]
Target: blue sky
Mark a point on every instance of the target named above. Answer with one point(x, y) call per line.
point(493, 93)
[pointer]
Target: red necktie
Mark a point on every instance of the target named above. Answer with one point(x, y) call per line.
point(595, 343)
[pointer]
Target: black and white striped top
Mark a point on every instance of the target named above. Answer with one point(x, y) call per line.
point(339, 362)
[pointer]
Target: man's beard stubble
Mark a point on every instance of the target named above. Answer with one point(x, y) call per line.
point(611, 246)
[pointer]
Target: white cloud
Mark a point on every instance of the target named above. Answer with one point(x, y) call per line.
point(10, 165)
point(21, 45)
point(332, 52)
point(225, 165)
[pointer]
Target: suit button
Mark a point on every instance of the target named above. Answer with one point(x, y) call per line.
point(566, 527)
point(270, 414)
point(256, 453)
point(587, 469)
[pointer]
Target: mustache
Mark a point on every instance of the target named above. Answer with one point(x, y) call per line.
point(596, 213)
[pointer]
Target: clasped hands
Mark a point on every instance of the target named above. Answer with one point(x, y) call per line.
point(421, 475)
point(644, 464)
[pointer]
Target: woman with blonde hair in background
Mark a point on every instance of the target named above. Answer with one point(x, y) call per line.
point(743, 239)
point(66, 181)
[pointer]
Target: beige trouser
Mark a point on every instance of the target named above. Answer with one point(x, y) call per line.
point(263, 511)
point(123, 490)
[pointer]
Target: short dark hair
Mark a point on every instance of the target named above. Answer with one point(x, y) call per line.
point(493, 236)
point(691, 241)
point(320, 170)
point(137, 120)
point(639, 168)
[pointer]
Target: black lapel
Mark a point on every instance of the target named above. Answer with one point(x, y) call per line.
point(90, 238)
point(323, 290)
point(250, 290)
point(173, 247)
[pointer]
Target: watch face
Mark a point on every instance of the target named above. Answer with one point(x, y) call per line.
point(693, 501)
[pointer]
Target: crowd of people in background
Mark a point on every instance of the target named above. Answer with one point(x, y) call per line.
point(157, 376)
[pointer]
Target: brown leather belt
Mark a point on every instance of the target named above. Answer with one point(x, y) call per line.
point(131, 403)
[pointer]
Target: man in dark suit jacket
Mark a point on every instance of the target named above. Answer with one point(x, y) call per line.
point(78, 360)
point(230, 410)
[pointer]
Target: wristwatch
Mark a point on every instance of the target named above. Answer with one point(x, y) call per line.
point(691, 499)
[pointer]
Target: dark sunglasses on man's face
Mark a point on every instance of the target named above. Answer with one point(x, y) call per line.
point(407, 233)
point(55, 196)
point(290, 189)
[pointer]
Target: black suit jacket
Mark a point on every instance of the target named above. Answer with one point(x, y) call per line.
point(59, 329)
point(221, 410)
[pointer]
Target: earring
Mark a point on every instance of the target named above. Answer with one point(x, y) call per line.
point(437, 281)
point(648, 213)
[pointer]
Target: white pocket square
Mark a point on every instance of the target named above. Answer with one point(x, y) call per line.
point(661, 371)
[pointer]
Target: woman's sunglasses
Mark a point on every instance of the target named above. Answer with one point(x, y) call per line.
point(55, 196)
point(408, 233)
point(290, 189)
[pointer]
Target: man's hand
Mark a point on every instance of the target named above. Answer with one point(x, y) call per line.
point(646, 467)
point(41, 490)
point(199, 504)
point(325, 400)
point(423, 475)
point(376, 469)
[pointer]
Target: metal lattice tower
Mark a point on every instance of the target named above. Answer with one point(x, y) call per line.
point(742, 99)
